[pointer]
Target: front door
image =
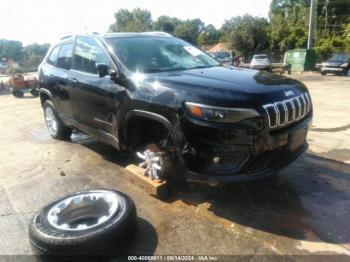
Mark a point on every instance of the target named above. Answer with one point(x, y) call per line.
point(90, 100)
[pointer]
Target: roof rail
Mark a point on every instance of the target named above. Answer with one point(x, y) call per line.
point(66, 36)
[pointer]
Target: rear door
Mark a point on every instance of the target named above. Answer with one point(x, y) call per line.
point(60, 74)
point(91, 99)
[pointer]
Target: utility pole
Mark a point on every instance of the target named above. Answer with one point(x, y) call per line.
point(311, 24)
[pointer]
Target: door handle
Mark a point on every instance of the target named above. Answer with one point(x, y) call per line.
point(51, 76)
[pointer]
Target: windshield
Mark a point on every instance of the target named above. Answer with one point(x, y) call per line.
point(221, 55)
point(158, 54)
point(340, 57)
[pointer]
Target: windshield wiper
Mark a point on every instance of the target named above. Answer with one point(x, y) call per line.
point(199, 67)
point(163, 70)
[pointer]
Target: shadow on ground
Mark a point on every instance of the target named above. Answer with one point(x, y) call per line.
point(311, 195)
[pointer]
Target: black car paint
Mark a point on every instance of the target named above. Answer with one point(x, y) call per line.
point(103, 107)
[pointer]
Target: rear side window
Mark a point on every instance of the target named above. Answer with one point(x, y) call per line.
point(87, 54)
point(53, 56)
point(65, 56)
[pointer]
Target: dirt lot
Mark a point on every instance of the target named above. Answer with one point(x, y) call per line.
point(303, 210)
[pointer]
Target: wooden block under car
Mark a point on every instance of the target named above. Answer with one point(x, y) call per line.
point(135, 175)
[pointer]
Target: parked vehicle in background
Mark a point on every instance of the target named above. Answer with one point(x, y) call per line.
point(224, 57)
point(261, 62)
point(19, 85)
point(174, 106)
point(338, 64)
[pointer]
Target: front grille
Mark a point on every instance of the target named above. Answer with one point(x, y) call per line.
point(284, 112)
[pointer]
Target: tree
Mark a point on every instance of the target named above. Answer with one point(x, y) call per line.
point(246, 34)
point(137, 20)
point(289, 24)
point(10, 49)
point(209, 36)
point(189, 30)
point(34, 54)
point(166, 24)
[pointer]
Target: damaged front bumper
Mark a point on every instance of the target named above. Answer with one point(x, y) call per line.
point(221, 155)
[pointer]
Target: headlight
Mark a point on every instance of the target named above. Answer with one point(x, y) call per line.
point(344, 65)
point(220, 114)
point(324, 64)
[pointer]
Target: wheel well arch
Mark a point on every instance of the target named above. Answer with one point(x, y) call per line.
point(142, 127)
point(44, 95)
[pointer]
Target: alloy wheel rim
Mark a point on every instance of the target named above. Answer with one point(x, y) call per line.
point(84, 211)
point(51, 121)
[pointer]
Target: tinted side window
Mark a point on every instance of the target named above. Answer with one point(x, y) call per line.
point(65, 56)
point(87, 54)
point(53, 56)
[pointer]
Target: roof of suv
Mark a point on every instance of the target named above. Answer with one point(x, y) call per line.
point(128, 34)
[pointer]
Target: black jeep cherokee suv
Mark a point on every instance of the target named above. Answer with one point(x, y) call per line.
point(152, 92)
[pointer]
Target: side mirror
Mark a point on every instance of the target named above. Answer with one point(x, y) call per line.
point(102, 69)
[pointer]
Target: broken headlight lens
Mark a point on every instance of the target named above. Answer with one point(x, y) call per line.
point(220, 114)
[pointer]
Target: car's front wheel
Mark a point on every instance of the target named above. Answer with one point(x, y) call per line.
point(54, 124)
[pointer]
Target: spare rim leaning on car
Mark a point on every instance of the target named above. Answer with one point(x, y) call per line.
point(89, 222)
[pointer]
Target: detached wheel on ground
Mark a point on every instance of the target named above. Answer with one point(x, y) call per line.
point(54, 124)
point(90, 222)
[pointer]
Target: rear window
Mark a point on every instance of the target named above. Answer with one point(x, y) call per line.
point(260, 57)
point(65, 56)
point(53, 56)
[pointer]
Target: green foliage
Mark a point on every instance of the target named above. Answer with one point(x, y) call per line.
point(288, 26)
point(209, 36)
point(28, 57)
point(246, 34)
point(34, 54)
point(166, 24)
point(137, 20)
point(189, 30)
point(10, 49)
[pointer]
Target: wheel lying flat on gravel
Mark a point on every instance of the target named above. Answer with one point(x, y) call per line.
point(89, 222)
point(54, 124)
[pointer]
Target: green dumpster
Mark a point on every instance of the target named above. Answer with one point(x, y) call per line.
point(301, 59)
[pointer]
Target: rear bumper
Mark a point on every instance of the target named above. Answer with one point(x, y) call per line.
point(240, 155)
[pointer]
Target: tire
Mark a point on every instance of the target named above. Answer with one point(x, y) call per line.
point(18, 94)
point(50, 238)
point(323, 73)
point(34, 92)
point(54, 124)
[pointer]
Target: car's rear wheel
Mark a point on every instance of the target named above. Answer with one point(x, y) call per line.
point(323, 73)
point(54, 124)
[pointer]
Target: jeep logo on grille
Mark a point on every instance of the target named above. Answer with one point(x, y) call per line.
point(288, 93)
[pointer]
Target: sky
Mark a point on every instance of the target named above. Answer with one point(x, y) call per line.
point(45, 21)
